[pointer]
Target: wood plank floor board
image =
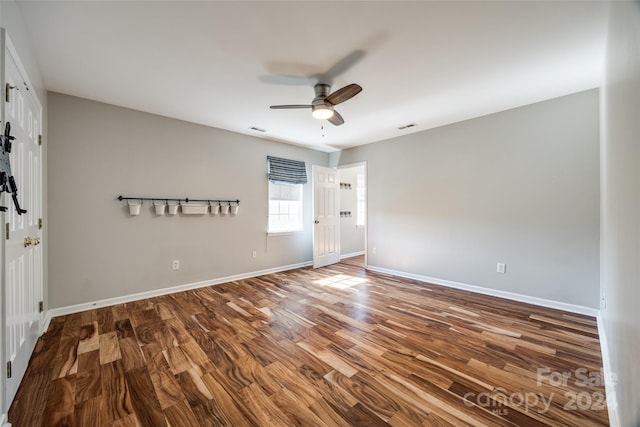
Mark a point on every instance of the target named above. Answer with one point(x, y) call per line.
point(263, 408)
point(88, 385)
point(180, 414)
point(334, 346)
point(59, 408)
point(296, 410)
point(329, 413)
point(27, 399)
point(227, 409)
point(293, 381)
point(90, 412)
point(115, 391)
point(143, 398)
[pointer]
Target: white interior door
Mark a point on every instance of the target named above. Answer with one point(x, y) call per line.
point(23, 252)
point(326, 213)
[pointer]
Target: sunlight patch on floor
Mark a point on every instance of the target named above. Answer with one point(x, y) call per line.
point(340, 281)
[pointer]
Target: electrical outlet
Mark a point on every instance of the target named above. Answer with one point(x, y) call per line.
point(374, 250)
point(501, 268)
point(175, 264)
point(254, 255)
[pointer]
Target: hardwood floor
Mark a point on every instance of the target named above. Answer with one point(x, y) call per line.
point(335, 346)
point(354, 261)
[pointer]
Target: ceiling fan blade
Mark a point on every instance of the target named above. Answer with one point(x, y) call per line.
point(287, 80)
point(343, 94)
point(282, 107)
point(336, 119)
point(341, 66)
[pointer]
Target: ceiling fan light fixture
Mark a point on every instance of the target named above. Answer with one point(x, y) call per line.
point(322, 112)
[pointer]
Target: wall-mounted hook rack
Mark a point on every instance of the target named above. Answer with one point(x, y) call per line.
point(179, 200)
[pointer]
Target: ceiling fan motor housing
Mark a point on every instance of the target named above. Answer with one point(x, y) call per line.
point(322, 91)
point(320, 109)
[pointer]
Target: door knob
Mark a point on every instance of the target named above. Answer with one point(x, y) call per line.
point(28, 241)
point(316, 222)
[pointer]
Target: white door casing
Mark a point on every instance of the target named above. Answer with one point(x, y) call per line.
point(22, 290)
point(326, 213)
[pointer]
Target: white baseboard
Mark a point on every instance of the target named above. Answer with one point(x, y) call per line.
point(47, 322)
point(61, 311)
point(609, 375)
point(492, 292)
point(351, 255)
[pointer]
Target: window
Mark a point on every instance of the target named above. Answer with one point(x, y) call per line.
point(285, 207)
point(286, 178)
point(360, 200)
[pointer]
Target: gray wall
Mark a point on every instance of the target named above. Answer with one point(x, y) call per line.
point(519, 187)
point(99, 151)
point(620, 104)
point(11, 19)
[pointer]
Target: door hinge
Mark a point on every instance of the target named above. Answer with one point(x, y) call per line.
point(40, 223)
point(39, 139)
point(41, 306)
point(7, 91)
point(9, 369)
point(6, 231)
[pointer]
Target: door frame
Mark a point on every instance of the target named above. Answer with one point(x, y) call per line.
point(366, 205)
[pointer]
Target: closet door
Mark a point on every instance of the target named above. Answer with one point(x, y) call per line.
point(23, 290)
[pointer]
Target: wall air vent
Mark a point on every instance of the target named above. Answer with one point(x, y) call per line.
point(257, 129)
point(407, 126)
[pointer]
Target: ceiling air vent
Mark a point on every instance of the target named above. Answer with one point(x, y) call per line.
point(257, 129)
point(407, 126)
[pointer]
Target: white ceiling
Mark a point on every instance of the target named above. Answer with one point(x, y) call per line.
point(222, 64)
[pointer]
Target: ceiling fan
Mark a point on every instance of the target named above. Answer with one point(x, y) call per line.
point(322, 105)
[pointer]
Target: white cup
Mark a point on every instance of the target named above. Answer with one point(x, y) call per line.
point(173, 208)
point(160, 207)
point(134, 207)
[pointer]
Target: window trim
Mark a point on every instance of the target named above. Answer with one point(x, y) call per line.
point(300, 201)
point(283, 233)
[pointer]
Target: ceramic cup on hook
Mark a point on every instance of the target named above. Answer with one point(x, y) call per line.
point(215, 209)
point(134, 207)
point(224, 209)
point(159, 207)
point(233, 209)
point(173, 207)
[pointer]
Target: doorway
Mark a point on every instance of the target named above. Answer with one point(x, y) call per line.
point(353, 213)
point(340, 215)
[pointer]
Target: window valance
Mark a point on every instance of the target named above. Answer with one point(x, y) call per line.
point(285, 170)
